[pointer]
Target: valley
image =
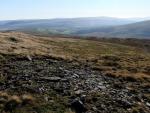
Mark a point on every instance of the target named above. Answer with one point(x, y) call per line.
point(108, 27)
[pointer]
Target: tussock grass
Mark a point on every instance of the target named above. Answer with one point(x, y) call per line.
point(108, 57)
point(9, 103)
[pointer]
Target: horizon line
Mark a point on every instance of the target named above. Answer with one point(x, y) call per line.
point(75, 18)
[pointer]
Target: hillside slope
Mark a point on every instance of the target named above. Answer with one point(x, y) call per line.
point(72, 49)
point(66, 75)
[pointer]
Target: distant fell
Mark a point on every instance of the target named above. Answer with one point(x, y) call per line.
point(89, 26)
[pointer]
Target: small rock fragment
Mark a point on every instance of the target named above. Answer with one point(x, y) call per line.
point(51, 79)
point(79, 92)
point(29, 58)
point(148, 104)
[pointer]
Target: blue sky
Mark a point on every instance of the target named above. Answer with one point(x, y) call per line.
point(34, 9)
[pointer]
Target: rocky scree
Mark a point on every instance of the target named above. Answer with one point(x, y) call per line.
point(85, 90)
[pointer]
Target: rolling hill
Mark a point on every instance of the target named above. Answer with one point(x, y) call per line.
point(92, 26)
point(62, 26)
point(135, 30)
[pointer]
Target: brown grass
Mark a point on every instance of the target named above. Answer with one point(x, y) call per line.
point(9, 102)
point(114, 58)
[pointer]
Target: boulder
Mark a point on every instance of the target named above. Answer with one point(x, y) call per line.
point(78, 106)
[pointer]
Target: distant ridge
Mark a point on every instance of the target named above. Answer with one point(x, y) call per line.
point(135, 30)
point(88, 26)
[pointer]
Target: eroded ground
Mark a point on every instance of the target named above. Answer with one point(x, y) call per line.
point(62, 86)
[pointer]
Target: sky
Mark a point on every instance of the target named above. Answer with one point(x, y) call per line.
point(45, 9)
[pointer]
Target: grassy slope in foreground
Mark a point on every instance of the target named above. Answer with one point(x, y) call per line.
point(111, 58)
point(47, 75)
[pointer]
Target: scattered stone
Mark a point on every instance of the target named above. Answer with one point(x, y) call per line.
point(99, 93)
point(75, 75)
point(102, 87)
point(79, 92)
point(148, 104)
point(64, 80)
point(125, 104)
point(29, 58)
point(94, 109)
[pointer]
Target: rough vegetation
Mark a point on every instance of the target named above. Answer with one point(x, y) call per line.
point(61, 75)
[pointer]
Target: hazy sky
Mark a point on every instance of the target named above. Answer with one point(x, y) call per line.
point(32, 9)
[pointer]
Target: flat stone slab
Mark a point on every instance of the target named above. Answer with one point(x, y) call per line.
point(51, 79)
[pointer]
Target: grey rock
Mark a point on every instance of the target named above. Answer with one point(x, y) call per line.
point(79, 92)
point(51, 79)
point(148, 104)
point(29, 58)
point(78, 106)
point(102, 87)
